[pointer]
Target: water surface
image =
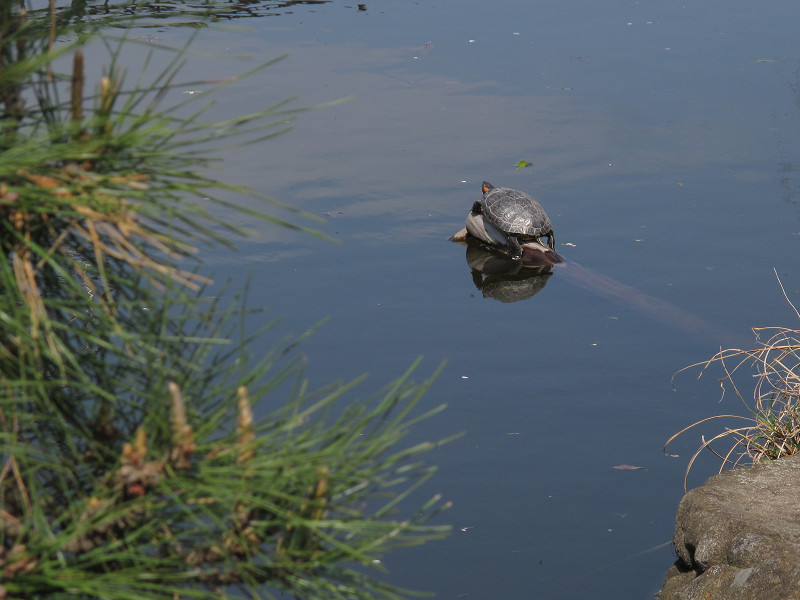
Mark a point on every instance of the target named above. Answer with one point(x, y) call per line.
point(663, 137)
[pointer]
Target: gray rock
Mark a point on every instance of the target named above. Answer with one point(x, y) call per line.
point(737, 537)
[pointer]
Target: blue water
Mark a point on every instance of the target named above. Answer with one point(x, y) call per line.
point(663, 137)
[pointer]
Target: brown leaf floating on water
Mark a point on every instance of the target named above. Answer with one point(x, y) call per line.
point(628, 468)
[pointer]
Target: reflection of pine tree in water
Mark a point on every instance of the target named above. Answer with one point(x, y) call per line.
point(183, 13)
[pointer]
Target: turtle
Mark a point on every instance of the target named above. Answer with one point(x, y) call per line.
point(516, 215)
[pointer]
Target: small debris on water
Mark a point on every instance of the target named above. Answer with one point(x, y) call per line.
point(426, 47)
point(465, 377)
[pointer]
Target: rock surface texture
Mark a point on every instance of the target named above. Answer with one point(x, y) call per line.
point(738, 536)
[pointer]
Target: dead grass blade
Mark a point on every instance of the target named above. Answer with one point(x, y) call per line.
point(774, 406)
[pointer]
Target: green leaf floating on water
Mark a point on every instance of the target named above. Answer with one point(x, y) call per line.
point(523, 163)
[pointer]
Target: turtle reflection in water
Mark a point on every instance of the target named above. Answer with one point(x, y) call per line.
point(502, 279)
point(511, 222)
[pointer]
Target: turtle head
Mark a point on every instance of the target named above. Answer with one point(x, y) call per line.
point(486, 186)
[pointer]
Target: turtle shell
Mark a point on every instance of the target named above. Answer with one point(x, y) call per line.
point(513, 211)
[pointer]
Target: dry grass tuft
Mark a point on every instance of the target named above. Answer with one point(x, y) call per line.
point(773, 429)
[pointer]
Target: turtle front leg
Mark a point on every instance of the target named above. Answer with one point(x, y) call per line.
point(551, 240)
point(516, 249)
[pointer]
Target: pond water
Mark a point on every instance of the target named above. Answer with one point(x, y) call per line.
point(662, 137)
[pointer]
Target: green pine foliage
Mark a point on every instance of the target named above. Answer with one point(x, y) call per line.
point(144, 451)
